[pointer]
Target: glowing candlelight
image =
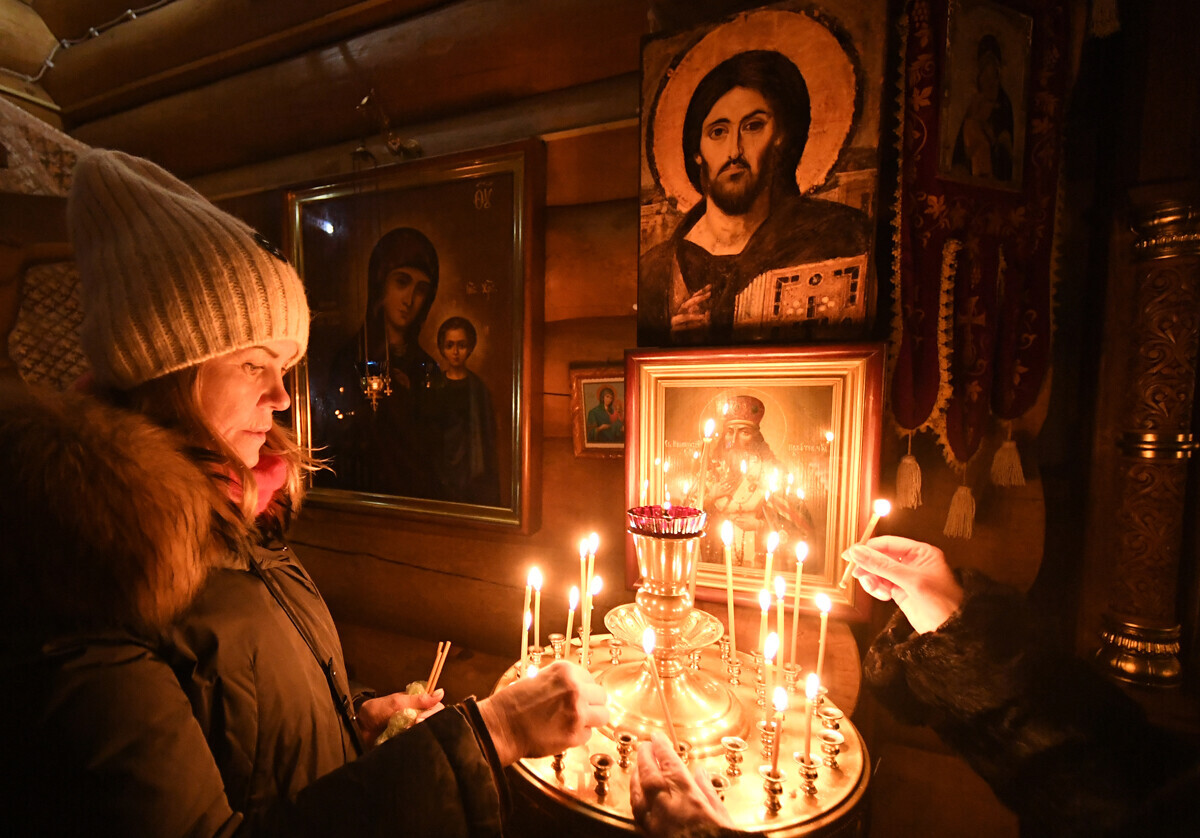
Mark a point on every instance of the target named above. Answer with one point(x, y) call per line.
point(801, 555)
point(533, 670)
point(535, 581)
point(772, 546)
point(727, 539)
point(645, 491)
point(648, 646)
point(823, 604)
point(583, 549)
point(780, 708)
point(770, 650)
point(880, 509)
point(710, 428)
point(780, 592)
point(572, 604)
point(593, 544)
point(528, 621)
point(812, 688)
point(764, 602)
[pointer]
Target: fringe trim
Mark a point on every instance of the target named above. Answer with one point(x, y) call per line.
point(960, 522)
point(908, 480)
point(1006, 465)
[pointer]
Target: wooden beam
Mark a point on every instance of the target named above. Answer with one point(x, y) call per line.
point(465, 57)
point(184, 45)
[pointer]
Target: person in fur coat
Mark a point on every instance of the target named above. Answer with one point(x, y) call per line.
point(168, 667)
point(1065, 749)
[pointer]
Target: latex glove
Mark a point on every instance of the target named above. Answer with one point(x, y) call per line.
point(911, 573)
point(667, 800)
point(374, 713)
point(546, 714)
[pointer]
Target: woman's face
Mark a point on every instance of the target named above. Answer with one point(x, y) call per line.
point(240, 392)
point(405, 291)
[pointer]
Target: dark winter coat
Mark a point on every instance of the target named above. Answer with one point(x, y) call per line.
point(1066, 750)
point(161, 677)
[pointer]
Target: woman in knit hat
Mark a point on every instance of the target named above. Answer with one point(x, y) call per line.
point(168, 665)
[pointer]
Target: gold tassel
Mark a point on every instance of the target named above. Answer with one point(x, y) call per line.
point(908, 480)
point(1006, 465)
point(960, 522)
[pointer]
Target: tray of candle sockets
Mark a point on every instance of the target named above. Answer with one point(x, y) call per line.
point(819, 796)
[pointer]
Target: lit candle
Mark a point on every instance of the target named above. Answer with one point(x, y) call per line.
point(648, 647)
point(772, 546)
point(535, 580)
point(770, 650)
point(572, 604)
point(583, 548)
point(812, 687)
point(780, 708)
point(709, 431)
point(645, 491)
point(764, 602)
point(880, 508)
point(823, 604)
point(727, 539)
point(593, 543)
point(527, 621)
point(801, 555)
point(780, 592)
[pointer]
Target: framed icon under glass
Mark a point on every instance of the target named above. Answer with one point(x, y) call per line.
point(420, 384)
point(773, 441)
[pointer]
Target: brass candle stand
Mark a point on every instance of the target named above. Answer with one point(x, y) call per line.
point(714, 715)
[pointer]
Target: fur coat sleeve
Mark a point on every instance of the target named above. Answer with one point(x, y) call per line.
point(1066, 750)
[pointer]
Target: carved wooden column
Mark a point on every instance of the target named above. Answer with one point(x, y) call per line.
point(1141, 625)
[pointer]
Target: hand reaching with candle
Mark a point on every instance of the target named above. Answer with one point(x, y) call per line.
point(911, 573)
point(545, 714)
point(667, 800)
point(374, 714)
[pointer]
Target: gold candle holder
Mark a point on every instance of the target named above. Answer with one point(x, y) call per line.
point(558, 643)
point(615, 646)
point(720, 784)
point(723, 646)
point(602, 765)
point(773, 786)
point(735, 753)
point(791, 677)
point(766, 736)
point(808, 773)
point(831, 717)
point(626, 742)
point(734, 671)
point(831, 746)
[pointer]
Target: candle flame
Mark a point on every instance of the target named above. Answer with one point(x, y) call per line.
point(597, 585)
point(528, 619)
point(727, 533)
point(764, 600)
point(882, 507)
point(772, 542)
point(823, 603)
point(812, 686)
point(710, 427)
point(695, 455)
point(770, 647)
point(829, 436)
point(743, 466)
point(583, 548)
point(780, 588)
point(725, 409)
point(573, 597)
point(535, 579)
point(686, 485)
point(801, 551)
point(781, 701)
point(666, 466)
point(648, 640)
point(593, 543)
point(531, 671)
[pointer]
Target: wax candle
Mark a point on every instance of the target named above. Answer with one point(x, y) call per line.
point(527, 621)
point(812, 688)
point(780, 708)
point(727, 539)
point(535, 581)
point(801, 555)
point(879, 509)
point(823, 604)
point(770, 650)
point(583, 549)
point(572, 604)
point(772, 546)
point(709, 429)
point(780, 592)
point(764, 602)
point(648, 641)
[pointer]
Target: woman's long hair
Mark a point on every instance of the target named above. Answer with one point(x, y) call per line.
point(173, 401)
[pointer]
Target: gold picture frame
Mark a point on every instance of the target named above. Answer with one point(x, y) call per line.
point(597, 421)
point(409, 428)
point(804, 423)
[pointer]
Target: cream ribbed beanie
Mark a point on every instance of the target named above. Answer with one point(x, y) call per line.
point(167, 280)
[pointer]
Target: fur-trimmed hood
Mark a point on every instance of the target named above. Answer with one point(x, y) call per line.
point(107, 522)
